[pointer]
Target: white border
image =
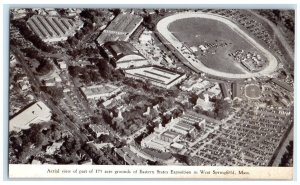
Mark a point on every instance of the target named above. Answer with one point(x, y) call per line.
point(245, 2)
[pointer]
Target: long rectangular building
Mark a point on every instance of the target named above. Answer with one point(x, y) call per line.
point(53, 29)
point(121, 28)
point(36, 113)
point(224, 90)
point(236, 90)
point(102, 91)
point(156, 75)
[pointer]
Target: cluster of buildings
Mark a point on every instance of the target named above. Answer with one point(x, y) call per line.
point(126, 56)
point(199, 85)
point(135, 65)
point(18, 13)
point(121, 28)
point(150, 49)
point(52, 28)
point(36, 113)
point(53, 77)
point(165, 138)
point(251, 61)
point(23, 83)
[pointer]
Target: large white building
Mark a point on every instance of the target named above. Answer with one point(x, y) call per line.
point(156, 75)
point(36, 113)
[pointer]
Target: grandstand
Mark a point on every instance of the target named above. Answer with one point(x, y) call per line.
point(53, 29)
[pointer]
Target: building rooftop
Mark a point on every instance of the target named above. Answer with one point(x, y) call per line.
point(101, 90)
point(155, 74)
point(51, 28)
point(124, 22)
point(38, 112)
point(120, 28)
point(224, 90)
point(97, 128)
point(170, 134)
point(130, 157)
point(120, 49)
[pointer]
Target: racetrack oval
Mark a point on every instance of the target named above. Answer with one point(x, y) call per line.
point(163, 29)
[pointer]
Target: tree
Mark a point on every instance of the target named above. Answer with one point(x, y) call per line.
point(72, 41)
point(116, 11)
point(55, 92)
point(148, 19)
point(193, 98)
point(94, 76)
point(86, 13)
point(104, 69)
point(96, 120)
point(74, 70)
point(222, 108)
point(86, 78)
point(44, 68)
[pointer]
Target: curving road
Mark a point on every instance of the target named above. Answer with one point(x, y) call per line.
point(162, 28)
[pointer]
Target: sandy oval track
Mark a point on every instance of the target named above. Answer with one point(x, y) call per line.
point(162, 28)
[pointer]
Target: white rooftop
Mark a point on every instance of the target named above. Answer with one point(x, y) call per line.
point(38, 112)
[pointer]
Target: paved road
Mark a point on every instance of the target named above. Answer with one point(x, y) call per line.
point(162, 28)
point(72, 127)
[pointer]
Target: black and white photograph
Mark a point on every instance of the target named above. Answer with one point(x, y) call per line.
point(151, 87)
